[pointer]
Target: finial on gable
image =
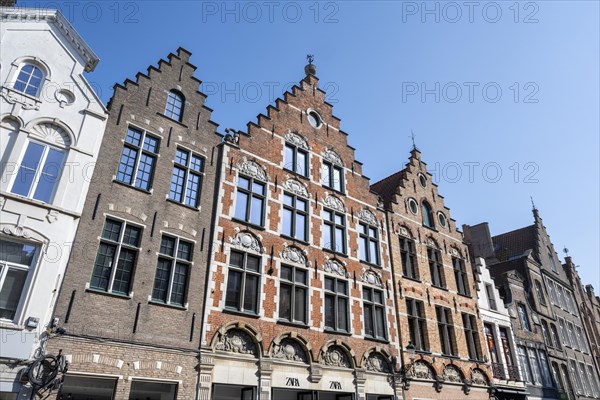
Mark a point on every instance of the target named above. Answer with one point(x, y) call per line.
point(310, 68)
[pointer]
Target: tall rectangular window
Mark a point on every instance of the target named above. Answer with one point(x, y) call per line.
point(295, 217)
point(446, 331)
point(555, 337)
point(334, 231)
point(293, 294)
point(587, 385)
point(472, 336)
point(489, 291)
point(295, 160)
point(552, 291)
point(461, 277)
point(552, 262)
point(570, 303)
point(581, 339)
point(374, 313)
point(172, 271)
point(138, 159)
point(333, 176)
point(546, 332)
point(523, 317)
point(576, 377)
point(174, 106)
point(525, 365)
point(535, 366)
point(436, 268)
point(572, 337)
point(39, 172)
point(242, 282)
point(368, 243)
point(593, 379)
point(16, 261)
point(119, 245)
point(546, 377)
point(566, 339)
point(408, 256)
point(250, 201)
point(561, 297)
point(540, 293)
point(417, 324)
point(186, 180)
point(336, 304)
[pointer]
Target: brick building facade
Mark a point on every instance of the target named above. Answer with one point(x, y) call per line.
point(130, 308)
point(299, 302)
point(436, 296)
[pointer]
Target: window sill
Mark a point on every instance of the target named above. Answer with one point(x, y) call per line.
point(336, 332)
point(8, 324)
point(172, 120)
point(241, 313)
point(450, 356)
point(173, 306)
point(296, 241)
point(430, 228)
point(371, 264)
point(445, 289)
point(132, 187)
point(111, 294)
point(291, 323)
point(197, 209)
point(248, 224)
point(412, 279)
point(335, 252)
point(468, 296)
point(335, 190)
point(375, 339)
point(297, 174)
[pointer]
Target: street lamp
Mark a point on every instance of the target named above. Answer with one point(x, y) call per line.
point(405, 371)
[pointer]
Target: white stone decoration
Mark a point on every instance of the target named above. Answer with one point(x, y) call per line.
point(297, 188)
point(17, 231)
point(404, 231)
point(247, 241)
point(422, 370)
point(371, 277)
point(52, 216)
point(478, 378)
point(334, 356)
point(375, 362)
point(296, 140)
point(334, 203)
point(289, 349)
point(454, 252)
point(236, 341)
point(294, 254)
point(452, 374)
point(14, 97)
point(51, 133)
point(252, 169)
point(367, 216)
point(333, 157)
point(334, 267)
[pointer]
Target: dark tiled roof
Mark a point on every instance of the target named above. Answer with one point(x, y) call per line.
point(515, 243)
point(387, 187)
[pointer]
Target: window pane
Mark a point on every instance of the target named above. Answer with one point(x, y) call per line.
point(374, 254)
point(285, 302)
point(342, 313)
point(286, 273)
point(256, 211)
point(367, 295)
point(161, 281)
point(288, 200)
point(237, 259)
point(329, 284)
point(193, 190)
point(103, 266)
point(153, 390)
point(300, 304)
point(327, 242)
point(151, 144)
point(368, 316)
point(197, 164)
point(79, 387)
point(287, 222)
point(10, 293)
point(145, 171)
point(342, 287)
point(337, 179)
point(18, 253)
point(240, 206)
point(131, 235)
point(167, 246)
point(49, 176)
point(184, 251)
point(124, 271)
point(252, 263)
point(301, 163)
point(179, 284)
point(288, 160)
point(258, 188)
point(363, 248)
point(244, 183)
point(330, 311)
point(126, 165)
point(251, 293)
point(300, 227)
point(181, 157)
point(380, 322)
point(28, 169)
point(234, 289)
point(177, 181)
point(133, 137)
point(340, 244)
point(339, 219)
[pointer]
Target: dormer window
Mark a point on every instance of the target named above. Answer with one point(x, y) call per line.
point(427, 215)
point(174, 108)
point(29, 80)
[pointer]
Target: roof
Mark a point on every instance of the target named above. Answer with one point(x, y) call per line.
point(387, 187)
point(53, 16)
point(514, 243)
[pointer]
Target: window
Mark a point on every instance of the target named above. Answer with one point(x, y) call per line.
point(295, 160)
point(570, 303)
point(489, 290)
point(334, 231)
point(566, 379)
point(293, 294)
point(460, 274)
point(546, 332)
point(555, 337)
point(572, 337)
point(16, 260)
point(333, 176)
point(546, 377)
point(39, 172)
point(374, 313)
point(242, 282)
point(314, 119)
point(120, 241)
point(295, 217)
point(525, 365)
point(556, 375)
point(552, 263)
point(552, 291)
point(29, 80)
point(488, 330)
point(417, 324)
point(472, 336)
point(368, 243)
point(138, 159)
point(523, 317)
point(422, 180)
point(576, 377)
point(413, 206)
point(446, 331)
point(561, 297)
point(410, 269)
point(336, 304)
point(582, 340)
point(540, 293)
point(436, 268)
point(153, 390)
point(174, 108)
point(250, 201)
point(186, 180)
point(535, 366)
point(427, 215)
point(563, 330)
point(587, 385)
point(84, 387)
point(593, 380)
point(172, 271)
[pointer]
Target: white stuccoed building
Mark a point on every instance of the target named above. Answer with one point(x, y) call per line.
point(51, 127)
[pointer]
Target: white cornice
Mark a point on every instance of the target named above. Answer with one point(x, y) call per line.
point(8, 14)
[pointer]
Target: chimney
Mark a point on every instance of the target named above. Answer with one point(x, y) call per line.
point(479, 240)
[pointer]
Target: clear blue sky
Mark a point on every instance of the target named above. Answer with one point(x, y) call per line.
point(376, 58)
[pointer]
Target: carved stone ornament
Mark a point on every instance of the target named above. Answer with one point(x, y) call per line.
point(431, 243)
point(297, 188)
point(289, 349)
point(51, 133)
point(422, 370)
point(371, 277)
point(296, 140)
point(332, 157)
point(478, 378)
point(17, 231)
point(13, 97)
point(377, 363)
point(452, 374)
point(236, 341)
point(368, 217)
point(404, 231)
point(334, 203)
point(335, 267)
point(247, 241)
point(454, 252)
point(253, 169)
point(52, 216)
point(294, 255)
point(334, 356)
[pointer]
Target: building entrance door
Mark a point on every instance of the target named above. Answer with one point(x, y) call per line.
point(233, 392)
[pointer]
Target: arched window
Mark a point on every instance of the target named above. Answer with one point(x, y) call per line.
point(174, 108)
point(29, 80)
point(427, 215)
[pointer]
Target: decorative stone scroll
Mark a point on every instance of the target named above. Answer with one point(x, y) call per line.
point(336, 357)
point(332, 157)
point(236, 341)
point(367, 216)
point(246, 240)
point(297, 188)
point(334, 203)
point(422, 370)
point(17, 231)
point(296, 140)
point(295, 255)
point(289, 349)
point(376, 362)
point(252, 169)
point(371, 277)
point(335, 267)
point(478, 378)
point(452, 374)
